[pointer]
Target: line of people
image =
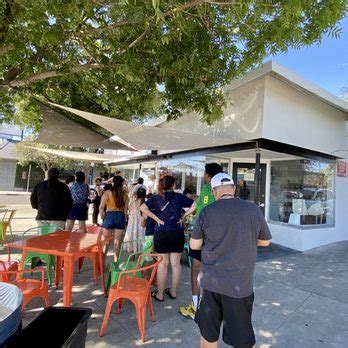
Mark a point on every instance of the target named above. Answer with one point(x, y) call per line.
point(61, 205)
point(223, 244)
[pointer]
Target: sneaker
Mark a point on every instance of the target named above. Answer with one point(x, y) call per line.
point(189, 311)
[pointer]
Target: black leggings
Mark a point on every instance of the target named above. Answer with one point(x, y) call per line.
point(95, 212)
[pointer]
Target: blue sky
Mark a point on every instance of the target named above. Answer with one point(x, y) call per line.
point(325, 65)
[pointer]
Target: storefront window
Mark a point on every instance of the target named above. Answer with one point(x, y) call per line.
point(302, 192)
point(224, 162)
point(188, 173)
point(191, 182)
point(129, 173)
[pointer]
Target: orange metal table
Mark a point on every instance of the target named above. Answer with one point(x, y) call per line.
point(66, 246)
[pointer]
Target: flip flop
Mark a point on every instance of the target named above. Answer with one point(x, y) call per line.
point(154, 295)
point(167, 292)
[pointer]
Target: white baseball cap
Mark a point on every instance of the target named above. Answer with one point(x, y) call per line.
point(221, 179)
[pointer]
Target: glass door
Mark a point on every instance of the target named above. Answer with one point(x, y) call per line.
point(244, 178)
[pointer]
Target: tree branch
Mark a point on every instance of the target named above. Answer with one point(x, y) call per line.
point(4, 50)
point(222, 2)
point(54, 73)
point(74, 70)
point(138, 39)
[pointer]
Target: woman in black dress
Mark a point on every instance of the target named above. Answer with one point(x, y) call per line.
point(169, 238)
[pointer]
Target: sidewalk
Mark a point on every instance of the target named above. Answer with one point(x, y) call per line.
point(301, 301)
point(15, 193)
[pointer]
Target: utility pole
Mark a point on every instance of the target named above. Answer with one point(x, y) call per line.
point(28, 178)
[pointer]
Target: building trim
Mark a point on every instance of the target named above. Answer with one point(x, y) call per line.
point(297, 151)
point(265, 144)
point(188, 153)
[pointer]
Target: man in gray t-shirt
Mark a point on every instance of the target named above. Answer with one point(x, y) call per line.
point(228, 231)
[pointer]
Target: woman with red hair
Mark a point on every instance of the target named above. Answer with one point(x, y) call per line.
point(166, 210)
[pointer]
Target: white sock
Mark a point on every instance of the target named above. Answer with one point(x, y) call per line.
point(195, 300)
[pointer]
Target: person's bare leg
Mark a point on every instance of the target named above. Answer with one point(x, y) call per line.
point(176, 271)
point(107, 234)
point(162, 275)
point(118, 240)
point(206, 344)
point(82, 226)
point(70, 225)
point(195, 268)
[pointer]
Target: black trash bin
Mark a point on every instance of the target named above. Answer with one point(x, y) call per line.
point(55, 327)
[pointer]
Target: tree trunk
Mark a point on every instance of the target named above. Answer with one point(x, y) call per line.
point(46, 174)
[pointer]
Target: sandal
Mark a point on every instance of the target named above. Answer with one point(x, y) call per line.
point(167, 292)
point(154, 295)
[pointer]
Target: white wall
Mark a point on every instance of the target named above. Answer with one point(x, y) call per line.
point(10, 129)
point(242, 116)
point(270, 108)
point(286, 236)
point(295, 117)
point(7, 174)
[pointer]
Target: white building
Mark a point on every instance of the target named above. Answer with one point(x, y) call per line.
point(298, 131)
point(9, 136)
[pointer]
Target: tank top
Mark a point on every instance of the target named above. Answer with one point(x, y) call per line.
point(111, 203)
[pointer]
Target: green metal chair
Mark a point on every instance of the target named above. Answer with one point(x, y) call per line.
point(121, 265)
point(35, 258)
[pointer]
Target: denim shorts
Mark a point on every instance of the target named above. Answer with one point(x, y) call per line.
point(79, 212)
point(114, 219)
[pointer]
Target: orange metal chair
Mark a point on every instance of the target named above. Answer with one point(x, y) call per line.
point(8, 265)
point(136, 290)
point(92, 254)
point(30, 288)
point(94, 230)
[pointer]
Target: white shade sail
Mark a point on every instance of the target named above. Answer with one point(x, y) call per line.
point(81, 156)
point(60, 130)
point(142, 137)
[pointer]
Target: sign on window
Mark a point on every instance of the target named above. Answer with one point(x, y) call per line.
point(342, 169)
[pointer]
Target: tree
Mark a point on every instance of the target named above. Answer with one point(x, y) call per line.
point(29, 154)
point(132, 59)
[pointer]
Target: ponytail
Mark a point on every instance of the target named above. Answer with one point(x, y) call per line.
point(141, 194)
point(118, 192)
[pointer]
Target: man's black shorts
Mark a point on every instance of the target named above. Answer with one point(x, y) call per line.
point(196, 254)
point(235, 314)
